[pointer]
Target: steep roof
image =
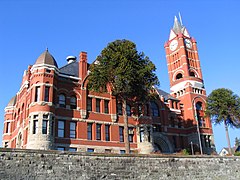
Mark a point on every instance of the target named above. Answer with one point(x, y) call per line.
point(71, 69)
point(166, 95)
point(46, 58)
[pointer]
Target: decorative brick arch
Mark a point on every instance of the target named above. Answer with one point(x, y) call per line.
point(162, 143)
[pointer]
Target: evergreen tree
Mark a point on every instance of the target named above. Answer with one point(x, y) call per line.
point(129, 73)
point(223, 106)
point(237, 142)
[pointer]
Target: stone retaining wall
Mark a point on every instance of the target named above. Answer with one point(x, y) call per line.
point(39, 164)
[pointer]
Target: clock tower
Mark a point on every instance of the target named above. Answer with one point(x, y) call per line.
point(186, 84)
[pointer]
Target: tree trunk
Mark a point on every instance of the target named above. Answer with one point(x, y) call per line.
point(228, 139)
point(125, 118)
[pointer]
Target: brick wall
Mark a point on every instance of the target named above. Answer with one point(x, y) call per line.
point(37, 164)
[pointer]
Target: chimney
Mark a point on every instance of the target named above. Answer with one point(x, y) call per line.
point(82, 65)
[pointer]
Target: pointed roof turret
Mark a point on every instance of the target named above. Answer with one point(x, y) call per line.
point(12, 102)
point(46, 58)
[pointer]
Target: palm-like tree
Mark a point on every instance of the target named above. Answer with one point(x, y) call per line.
point(223, 106)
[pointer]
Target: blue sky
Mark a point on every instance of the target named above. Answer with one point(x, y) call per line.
point(68, 27)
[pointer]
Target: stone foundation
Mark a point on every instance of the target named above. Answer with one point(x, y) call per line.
point(38, 164)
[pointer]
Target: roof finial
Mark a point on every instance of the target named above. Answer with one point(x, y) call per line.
point(46, 48)
point(180, 18)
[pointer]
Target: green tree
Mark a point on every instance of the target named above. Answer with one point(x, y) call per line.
point(129, 73)
point(223, 106)
point(237, 142)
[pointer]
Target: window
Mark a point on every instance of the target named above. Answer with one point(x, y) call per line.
point(44, 126)
point(98, 131)
point(108, 150)
point(62, 100)
point(45, 116)
point(121, 134)
point(98, 102)
point(198, 106)
point(172, 121)
point(60, 148)
point(46, 94)
point(8, 127)
point(154, 108)
point(107, 132)
point(130, 134)
point(71, 149)
point(174, 141)
point(61, 128)
point(128, 110)
point(148, 134)
point(106, 106)
point(122, 151)
point(141, 134)
point(119, 108)
point(90, 150)
point(35, 126)
point(37, 94)
point(179, 76)
point(89, 104)
point(89, 131)
point(73, 102)
point(192, 74)
point(72, 129)
point(156, 128)
point(6, 144)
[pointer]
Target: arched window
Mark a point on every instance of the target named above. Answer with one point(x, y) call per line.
point(199, 106)
point(179, 76)
point(62, 100)
point(73, 102)
point(129, 110)
point(154, 108)
point(192, 74)
point(200, 114)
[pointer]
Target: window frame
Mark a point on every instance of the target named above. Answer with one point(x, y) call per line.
point(121, 134)
point(155, 109)
point(89, 104)
point(72, 131)
point(98, 105)
point(62, 100)
point(35, 126)
point(46, 94)
point(37, 93)
point(61, 130)
point(107, 132)
point(73, 102)
point(44, 126)
point(106, 106)
point(89, 131)
point(98, 131)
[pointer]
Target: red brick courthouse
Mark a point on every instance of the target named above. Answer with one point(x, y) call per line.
point(53, 108)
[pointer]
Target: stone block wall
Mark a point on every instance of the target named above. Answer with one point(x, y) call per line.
point(39, 164)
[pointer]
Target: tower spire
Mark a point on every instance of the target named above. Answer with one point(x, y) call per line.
point(180, 18)
point(177, 27)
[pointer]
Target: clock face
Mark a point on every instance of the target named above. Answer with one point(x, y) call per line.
point(173, 45)
point(188, 43)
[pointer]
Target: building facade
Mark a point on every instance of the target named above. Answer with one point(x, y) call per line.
point(53, 108)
